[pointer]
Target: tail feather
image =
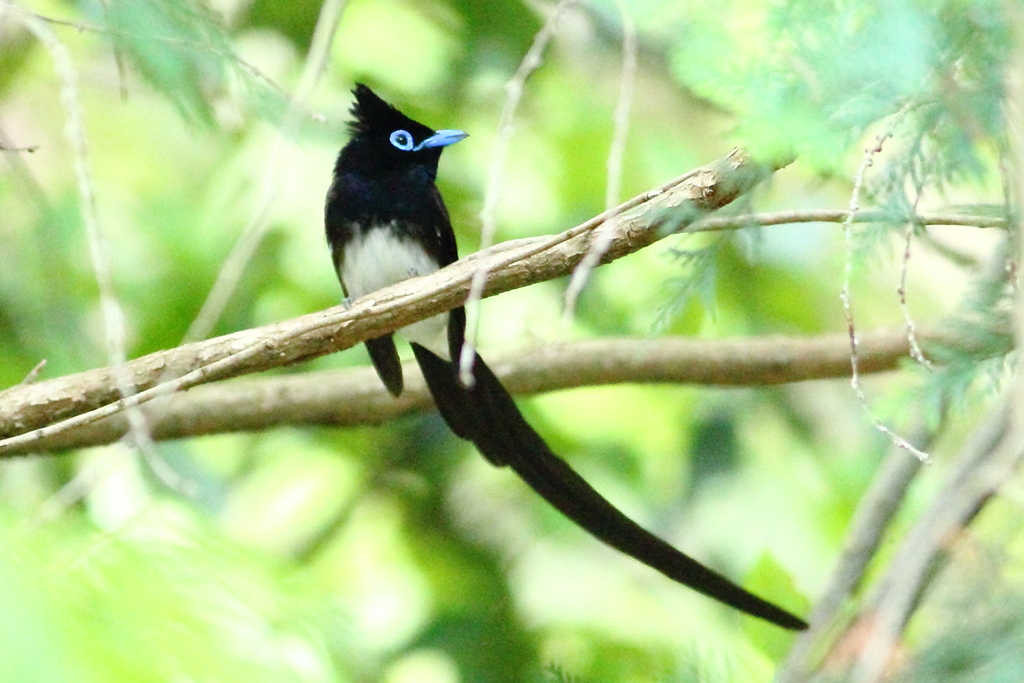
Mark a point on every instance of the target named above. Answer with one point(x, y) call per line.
point(486, 415)
point(459, 407)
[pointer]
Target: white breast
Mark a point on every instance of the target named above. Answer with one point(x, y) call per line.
point(377, 258)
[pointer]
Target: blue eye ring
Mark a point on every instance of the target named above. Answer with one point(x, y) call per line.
point(402, 139)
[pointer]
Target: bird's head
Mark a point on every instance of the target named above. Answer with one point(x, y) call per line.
point(384, 138)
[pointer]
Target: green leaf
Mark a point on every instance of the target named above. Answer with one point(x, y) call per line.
point(696, 281)
point(181, 49)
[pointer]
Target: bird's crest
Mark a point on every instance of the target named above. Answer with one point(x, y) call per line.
point(370, 113)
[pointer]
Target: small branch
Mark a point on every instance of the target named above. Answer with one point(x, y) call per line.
point(901, 292)
point(113, 314)
point(620, 120)
point(901, 286)
point(514, 89)
point(845, 296)
point(842, 216)
point(623, 105)
point(355, 397)
point(113, 317)
point(33, 374)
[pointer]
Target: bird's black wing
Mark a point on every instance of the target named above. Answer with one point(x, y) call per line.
point(382, 350)
point(444, 248)
point(385, 360)
point(440, 243)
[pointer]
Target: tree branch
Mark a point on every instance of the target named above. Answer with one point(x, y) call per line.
point(356, 396)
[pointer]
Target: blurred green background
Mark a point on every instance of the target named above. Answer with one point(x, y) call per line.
point(395, 553)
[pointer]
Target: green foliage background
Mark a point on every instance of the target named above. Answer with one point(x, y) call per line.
point(395, 553)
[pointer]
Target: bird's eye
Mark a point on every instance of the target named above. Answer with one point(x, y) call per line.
point(402, 140)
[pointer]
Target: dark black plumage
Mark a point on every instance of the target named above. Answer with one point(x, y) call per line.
point(385, 222)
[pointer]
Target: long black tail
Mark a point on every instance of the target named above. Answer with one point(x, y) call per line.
point(487, 416)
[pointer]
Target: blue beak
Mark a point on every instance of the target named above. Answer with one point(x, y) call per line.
point(442, 138)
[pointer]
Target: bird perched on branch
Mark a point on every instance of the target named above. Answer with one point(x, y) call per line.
point(386, 222)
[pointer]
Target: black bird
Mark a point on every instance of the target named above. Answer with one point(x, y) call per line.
point(386, 222)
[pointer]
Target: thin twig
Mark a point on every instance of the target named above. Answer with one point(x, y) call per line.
point(715, 223)
point(113, 315)
point(623, 105)
point(187, 380)
point(602, 239)
point(33, 374)
point(252, 235)
point(85, 480)
point(122, 72)
point(901, 287)
point(901, 292)
point(845, 297)
point(488, 215)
